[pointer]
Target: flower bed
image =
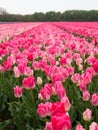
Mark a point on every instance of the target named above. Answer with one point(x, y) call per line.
point(48, 80)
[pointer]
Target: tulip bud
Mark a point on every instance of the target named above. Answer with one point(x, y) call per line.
point(86, 95)
point(93, 126)
point(39, 80)
point(87, 115)
point(79, 127)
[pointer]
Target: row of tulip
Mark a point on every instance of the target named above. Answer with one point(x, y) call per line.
point(86, 29)
point(48, 80)
point(8, 30)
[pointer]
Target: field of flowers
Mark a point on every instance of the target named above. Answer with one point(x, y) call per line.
point(49, 76)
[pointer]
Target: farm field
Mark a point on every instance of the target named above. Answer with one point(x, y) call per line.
point(49, 76)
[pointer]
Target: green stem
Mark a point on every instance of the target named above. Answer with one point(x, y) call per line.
point(74, 87)
point(86, 104)
point(41, 73)
point(96, 112)
point(33, 99)
point(36, 120)
point(86, 125)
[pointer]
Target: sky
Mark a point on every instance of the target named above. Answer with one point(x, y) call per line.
point(32, 6)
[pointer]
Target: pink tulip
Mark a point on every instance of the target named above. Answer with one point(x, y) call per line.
point(91, 59)
point(21, 68)
point(30, 57)
point(86, 77)
point(28, 71)
point(63, 61)
point(52, 60)
point(1, 68)
point(7, 65)
point(78, 61)
point(80, 67)
point(46, 91)
point(60, 90)
point(86, 95)
point(48, 71)
point(58, 107)
point(76, 78)
point(90, 70)
point(29, 82)
point(94, 99)
point(17, 91)
point(57, 77)
point(66, 103)
point(95, 66)
point(70, 70)
point(93, 126)
point(43, 64)
point(48, 126)
point(82, 86)
point(87, 114)
point(16, 72)
point(36, 65)
point(79, 127)
point(61, 122)
point(44, 109)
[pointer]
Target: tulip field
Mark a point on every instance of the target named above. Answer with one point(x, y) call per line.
point(49, 76)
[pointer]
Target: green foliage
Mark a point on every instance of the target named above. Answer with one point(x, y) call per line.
point(17, 113)
point(3, 101)
point(4, 124)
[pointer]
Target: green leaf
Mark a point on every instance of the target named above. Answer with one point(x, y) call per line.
point(17, 113)
point(4, 124)
point(73, 114)
point(3, 101)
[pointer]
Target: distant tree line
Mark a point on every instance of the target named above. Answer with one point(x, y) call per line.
point(69, 15)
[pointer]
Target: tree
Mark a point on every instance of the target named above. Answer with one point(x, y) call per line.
point(3, 11)
point(58, 16)
point(50, 16)
point(68, 15)
point(38, 16)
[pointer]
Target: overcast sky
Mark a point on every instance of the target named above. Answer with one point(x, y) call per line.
point(31, 6)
